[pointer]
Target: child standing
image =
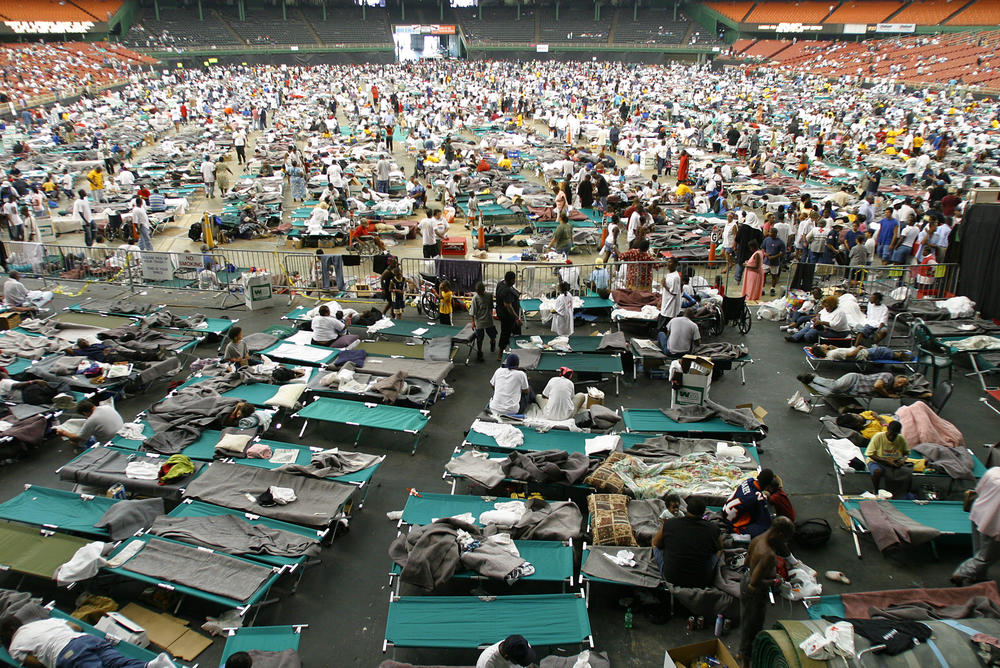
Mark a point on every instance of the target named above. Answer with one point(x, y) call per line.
point(445, 305)
point(397, 286)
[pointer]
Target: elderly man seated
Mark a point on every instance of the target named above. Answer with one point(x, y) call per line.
point(861, 354)
point(883, 384)
point(15, 295)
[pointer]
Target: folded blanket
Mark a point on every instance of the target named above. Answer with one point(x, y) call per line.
point(476, 466)
point(550, 466)
point(890, 528)
point(126, 517)
point(331, 463)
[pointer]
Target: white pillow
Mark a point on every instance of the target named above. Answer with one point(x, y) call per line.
point(287, 395)
point(233, 443)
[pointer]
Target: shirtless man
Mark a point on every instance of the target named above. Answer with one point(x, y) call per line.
point(762, 562)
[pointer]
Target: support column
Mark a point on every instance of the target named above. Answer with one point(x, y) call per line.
point(635, 11)
point(557, 10)
point(441, 9)
point(284, 11)
point(201, 16)
point(597, 10)
point(518, 10)
point(156, 9)
point(402, 9)
point(323, 4)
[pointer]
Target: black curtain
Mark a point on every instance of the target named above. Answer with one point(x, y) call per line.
point(979, 269)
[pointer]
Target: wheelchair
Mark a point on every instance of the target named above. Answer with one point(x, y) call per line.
point(736, 312)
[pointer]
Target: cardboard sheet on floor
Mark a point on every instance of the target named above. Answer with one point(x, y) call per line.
point(167, 633)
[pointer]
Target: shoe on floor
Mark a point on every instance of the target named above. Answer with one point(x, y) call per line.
point(806, 377)
point(837, 576)
point(790, 338)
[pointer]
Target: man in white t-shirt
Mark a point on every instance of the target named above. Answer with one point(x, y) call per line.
point(428, 228)
point(59, 642)
point(562, 401)
point(512, 652)
point(511, 392)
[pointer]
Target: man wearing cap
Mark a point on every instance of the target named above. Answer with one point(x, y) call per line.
point(511, 391)
point(511, 652)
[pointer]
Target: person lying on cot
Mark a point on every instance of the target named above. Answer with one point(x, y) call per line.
point(882, 384)
point(102, 351)
point(60, 643)
point(860, 353)
point(867, 423)
point(241, 410)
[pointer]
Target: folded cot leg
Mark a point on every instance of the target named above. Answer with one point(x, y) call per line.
point(357, 439)
point(416, 442)
point(305, 423)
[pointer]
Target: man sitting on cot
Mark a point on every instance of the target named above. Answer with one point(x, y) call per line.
point(746, 510)
point(511, 391)
point(59, 643)
point(883, 384)
point(860, 353)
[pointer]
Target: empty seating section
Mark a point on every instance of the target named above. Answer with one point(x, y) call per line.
point(575, 24)
point(102, 9)
point(864, 11)
point(809, 11)
point(928, 12)
point(766, 48)
point(979, 13)
point(741, 45)
point(966, 57)
point(266, 26)
point(732, 10)
point(652, 26)
point(343, 25)
point(499, 24)
point(181, 28)
point(42, 10)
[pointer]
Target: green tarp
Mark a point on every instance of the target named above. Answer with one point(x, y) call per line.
point(24, 550)
point(261, 638)
point(380, 416)
point(579, 344)
point(57, 509)
point(406, 328)
point(653, 420)
point(469, 622)
point(945, 516)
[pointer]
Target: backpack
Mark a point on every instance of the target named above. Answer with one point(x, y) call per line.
point(194, 232)
point(813, 533)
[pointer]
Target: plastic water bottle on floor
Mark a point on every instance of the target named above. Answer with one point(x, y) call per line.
point(628, 618)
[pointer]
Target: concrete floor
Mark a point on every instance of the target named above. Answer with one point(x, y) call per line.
point(344, 600)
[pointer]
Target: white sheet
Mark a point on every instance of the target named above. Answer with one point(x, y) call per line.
point(300, 353)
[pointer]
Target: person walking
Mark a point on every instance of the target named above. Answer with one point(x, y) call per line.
point(140, 221)
point(482, 319)
point(508, 305)
point(82, 213)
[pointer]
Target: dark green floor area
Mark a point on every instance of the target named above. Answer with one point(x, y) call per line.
point(344, 600)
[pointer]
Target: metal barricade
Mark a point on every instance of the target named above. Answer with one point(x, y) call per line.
point(897, 282)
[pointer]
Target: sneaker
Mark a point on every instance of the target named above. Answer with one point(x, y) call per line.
point(806, 377)
point(790, 338)
point(784, 328)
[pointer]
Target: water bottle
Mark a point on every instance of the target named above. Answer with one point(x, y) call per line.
point(719, 623)
point(628, 618)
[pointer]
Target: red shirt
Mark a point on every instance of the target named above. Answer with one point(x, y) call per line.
point(143, 193)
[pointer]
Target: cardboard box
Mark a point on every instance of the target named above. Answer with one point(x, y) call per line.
point(701, 366)
point(293, 242)
point(9, 320)
point(325, 242)
point(117, 625)
point(758, 411)
point(168, 634)
point(693, 390)
point(685, 656)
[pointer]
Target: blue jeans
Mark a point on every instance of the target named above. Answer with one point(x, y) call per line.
point(382, 186)
point(662, 338)
point(902, 255)
point(882, 250)
point(93, 652)
point(880, 353)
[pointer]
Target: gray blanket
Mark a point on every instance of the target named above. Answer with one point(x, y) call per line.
point(435, 372)
point(258, 341)
point(318, 502)
point(549, 466)
point(431, 554)
point(482, 470)
point(234, 535)
point(205, 571)
point(331, 463)
point(179, 419)
point(548, 520)
point(721, 351)
point(126, 517)
point(977, 606)
point(165, 318)
point(645, 573)
point(30, 347)
point(528, 359)
point(740, 417)
point(644, 516)
point(104, 467)
point(288, 658)
point(438, 349)
point(22, 606)
point(613, 341)
point(891, 528)
point(956, 462)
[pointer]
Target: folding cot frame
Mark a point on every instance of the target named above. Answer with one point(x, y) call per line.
point(398, 326)
point(472, 610)
point(195, 508)
point(714, 428)
point(262, 638)
point(254, 603)
point(978, 468)
point(586, 363)
point(309, 412)
point(531, 551)
point(857, 528)
point(68, 512)
point(453, 478)
point(641, 354)
point(585, 580)
point(589, 302)
point(47, 551)
point(815, 362)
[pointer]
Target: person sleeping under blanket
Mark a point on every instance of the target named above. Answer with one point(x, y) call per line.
point(108, 352)
point(860, 354)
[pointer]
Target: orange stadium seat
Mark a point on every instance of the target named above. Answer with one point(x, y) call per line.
point(928, 12)
point(979, 13)
point(871, 11)
point(101, 9)
point(732, 10)
point(42, 10)
point(741, 45)
point(808, 11)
